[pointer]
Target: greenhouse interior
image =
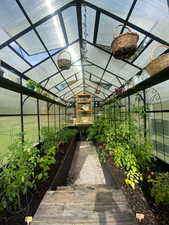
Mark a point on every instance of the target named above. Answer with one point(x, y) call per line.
point(84, 112)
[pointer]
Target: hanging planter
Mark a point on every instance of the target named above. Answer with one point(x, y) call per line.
point(158, 64)
point(119, 90)
point(97, 91)
point(124, 45)
point(64, 60)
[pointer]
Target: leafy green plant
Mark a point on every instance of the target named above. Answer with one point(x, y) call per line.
point(17, 177)
point(45, 162)
point(124, 140)
point(49, 138)
point(65, 135)
point(32, 84)
point(160, 188)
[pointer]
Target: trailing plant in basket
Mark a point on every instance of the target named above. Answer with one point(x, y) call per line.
point(17, 177)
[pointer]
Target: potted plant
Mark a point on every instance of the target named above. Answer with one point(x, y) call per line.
point(31, 84)
point(38, 89)
point(119, 90)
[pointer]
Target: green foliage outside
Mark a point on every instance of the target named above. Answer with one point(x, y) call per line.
point(26, 165)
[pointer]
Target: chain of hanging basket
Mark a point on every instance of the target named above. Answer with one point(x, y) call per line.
point(85, 34)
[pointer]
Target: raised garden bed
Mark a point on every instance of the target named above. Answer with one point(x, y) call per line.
point(139, 199)
point(63, 158)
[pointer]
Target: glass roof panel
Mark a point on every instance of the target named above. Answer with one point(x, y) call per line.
point(92, 91)
point(94, 70)
point(31, 43)
point(68, 89)
point(95, 86)
point(122, 68)
point(101, 86)
point(96, 81)
point(90, 22)
point(40, 8)
point(42, 71)
point(152, 16)
point(51, 33)
point(12, 20)
point(54, 81)
point(71, 71)
point(112, 79)
point(10, 57)
point(108, 28)
point(62, 86)
point(70, 20)
point(151, 52)
point(97, 56)
point(32, 59)
point(71, 80)
point(116, 7)
point(70, 94)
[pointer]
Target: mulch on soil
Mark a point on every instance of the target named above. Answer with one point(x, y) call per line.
point(139, 199)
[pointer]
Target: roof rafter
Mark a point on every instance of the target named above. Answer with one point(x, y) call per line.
point(63, 81)
point(37, 24)
point(96, 87)
point(54, 74)
point(40, 39)
point(106, 70)
point(72, 43)
point(99, 77)
point(119, 19)
point(104, 50)
point(80, 31)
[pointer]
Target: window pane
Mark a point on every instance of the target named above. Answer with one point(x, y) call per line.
point(119, 8)
point(30, 122)
point(41, 8)
point(51, 33)
point(7, 55)
point(12, 20)
point(70, 20)
point(9, 102)
point(10, 128)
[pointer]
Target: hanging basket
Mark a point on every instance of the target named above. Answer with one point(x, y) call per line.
point(158, 64)
point(97, 91)
point(124, 45)
point(64, 60)
point(119, 91)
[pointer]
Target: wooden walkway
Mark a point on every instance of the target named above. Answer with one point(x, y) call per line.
point(83, 202)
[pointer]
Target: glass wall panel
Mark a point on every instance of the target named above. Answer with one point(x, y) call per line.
point(10, 125)
point(30, 121)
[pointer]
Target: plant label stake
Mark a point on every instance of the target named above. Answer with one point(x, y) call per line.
point(28, 219)
point(140, 216)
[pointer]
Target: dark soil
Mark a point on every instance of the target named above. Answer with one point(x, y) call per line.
point(139, 199)
point(37, 195)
